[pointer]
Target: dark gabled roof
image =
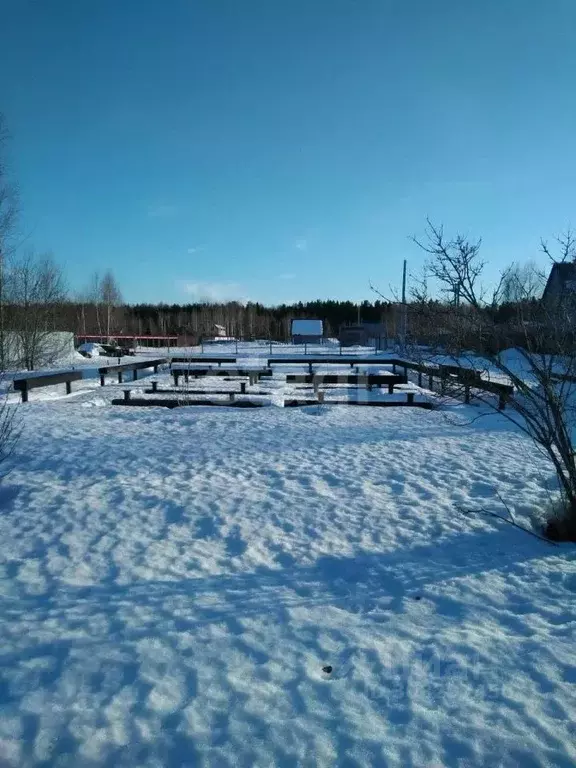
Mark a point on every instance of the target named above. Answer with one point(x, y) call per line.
point(565, 271)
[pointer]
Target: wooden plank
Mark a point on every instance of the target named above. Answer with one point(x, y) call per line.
point(186, 392)
point(46, 380)
point(369, 379)
point(137, 366)
point(202, 359)
point(328, 360)
point(468, 377)
point(239, 372)
point(178, 403)
point(363, 403)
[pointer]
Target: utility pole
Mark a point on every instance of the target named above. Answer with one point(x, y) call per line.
point(404, 310)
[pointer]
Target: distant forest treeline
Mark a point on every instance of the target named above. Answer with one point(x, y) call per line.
point(197, 321)
point(193, 322)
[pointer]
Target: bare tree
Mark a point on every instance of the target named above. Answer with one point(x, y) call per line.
point(93, 298)
point(36, 293)
point(111, 298)
point(8, 214)
point(565, 245)
point(520, 283)
point(543, 367)
point(82, 301)
point(455, 263)
point(8, 211)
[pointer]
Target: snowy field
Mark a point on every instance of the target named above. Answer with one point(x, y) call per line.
point(174, 581)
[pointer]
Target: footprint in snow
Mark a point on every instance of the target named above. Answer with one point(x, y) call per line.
point(340, 666)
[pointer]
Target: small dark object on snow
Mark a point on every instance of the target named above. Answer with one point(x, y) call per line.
point(417, 597)
point(327, 669)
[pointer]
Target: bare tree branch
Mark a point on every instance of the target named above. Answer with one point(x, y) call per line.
point(566, 243)
point(393, 291)
point(488, 513)
point(455, 263)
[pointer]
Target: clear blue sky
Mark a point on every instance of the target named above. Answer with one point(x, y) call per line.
point(285, 149)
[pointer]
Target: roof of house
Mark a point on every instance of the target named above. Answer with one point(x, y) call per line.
point(307, 328)
point(565, 273)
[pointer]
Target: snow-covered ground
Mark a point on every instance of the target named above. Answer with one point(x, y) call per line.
point(174, 581)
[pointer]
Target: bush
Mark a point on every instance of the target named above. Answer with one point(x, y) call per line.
point(561, 525)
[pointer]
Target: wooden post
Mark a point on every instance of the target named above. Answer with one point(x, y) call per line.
point(135, 374)
point(68, 387)
point(25, 392)
point(243, 388)
point(154, 386)
point(501, 401)
point(102, 382)
point(176, 375)
point(430, 382)
point(410, 398)
point(391, 388)
point(119, 377)
point(393, 367)
point(155, 367)
point(467, 393)
point(320, 396)
point(231, 396)
point(310, 368)
point(315, 385)
point(186, 376)
point(119, 360)
point(126, 395)
point(419, 378)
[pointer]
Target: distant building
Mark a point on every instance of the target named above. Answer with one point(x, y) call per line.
point(560, 292)
point(129, 340)
point(220, 336)
point(307, 331)
point(363, 335)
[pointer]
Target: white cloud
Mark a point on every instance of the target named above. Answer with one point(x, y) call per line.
point(163, 211)
point(193, 250)
point(301, 244)
point(213, 291)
